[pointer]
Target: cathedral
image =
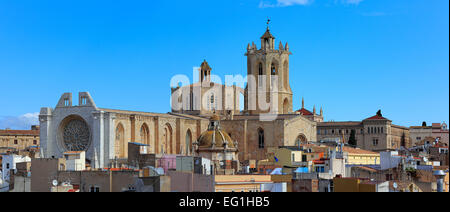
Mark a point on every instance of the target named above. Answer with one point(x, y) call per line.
point(268, 119)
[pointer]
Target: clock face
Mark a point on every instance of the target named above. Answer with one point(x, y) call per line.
point(76, 135)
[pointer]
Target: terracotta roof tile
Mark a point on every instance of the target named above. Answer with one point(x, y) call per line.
point(358, 151)
point(436, 125)
point(305, 112)
point(376, 117)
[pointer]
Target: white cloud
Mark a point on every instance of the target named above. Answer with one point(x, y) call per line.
point(283, 3)
point(287, 3)
point(352, 1)
point(22, 122)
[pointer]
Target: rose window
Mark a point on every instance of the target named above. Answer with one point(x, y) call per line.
point(76, 135)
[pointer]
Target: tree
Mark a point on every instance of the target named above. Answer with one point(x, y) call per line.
point(352, 140)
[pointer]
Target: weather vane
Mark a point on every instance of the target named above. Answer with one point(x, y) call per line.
point(268, 22)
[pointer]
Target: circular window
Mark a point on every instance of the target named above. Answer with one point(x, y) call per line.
point(76, 135)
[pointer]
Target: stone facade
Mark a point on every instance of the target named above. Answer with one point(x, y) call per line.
point(375, 133)
point(268, 73)
point(286, 130)
point(256, 129)
point(206, 97)
point(107, 132)
point(110, 131)
point(19, 139)
point(436, 130)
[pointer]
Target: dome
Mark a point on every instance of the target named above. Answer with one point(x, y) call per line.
point(214, 135)
point(218, 136)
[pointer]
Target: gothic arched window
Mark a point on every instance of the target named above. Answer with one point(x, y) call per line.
point(260, 69)
point(273, 70)
point(261, 138)
point(212, 101)
point(119, 144)
point(145, 136)
point(188, 143)
point(260, 75)
point(273, 73)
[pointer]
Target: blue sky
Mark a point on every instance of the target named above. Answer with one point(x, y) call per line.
point(352, 57)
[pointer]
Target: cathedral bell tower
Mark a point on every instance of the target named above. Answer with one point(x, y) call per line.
point(205, 72)
point(269, 68)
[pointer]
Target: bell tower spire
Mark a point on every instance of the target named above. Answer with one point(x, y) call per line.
point(268, 40)
point(205, 72)
point(269, 68)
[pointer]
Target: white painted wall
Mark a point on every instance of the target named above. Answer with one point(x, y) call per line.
point(76, 162)
point(9, 163)
point(389, 160)
point(274, 187)
point(206, 163)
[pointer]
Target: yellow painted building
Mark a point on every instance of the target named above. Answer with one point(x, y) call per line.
point(361, 157)
point(284, 156)
point(240, 183)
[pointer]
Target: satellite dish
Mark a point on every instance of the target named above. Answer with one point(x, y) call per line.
point(395, 185)
point(55, 183)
